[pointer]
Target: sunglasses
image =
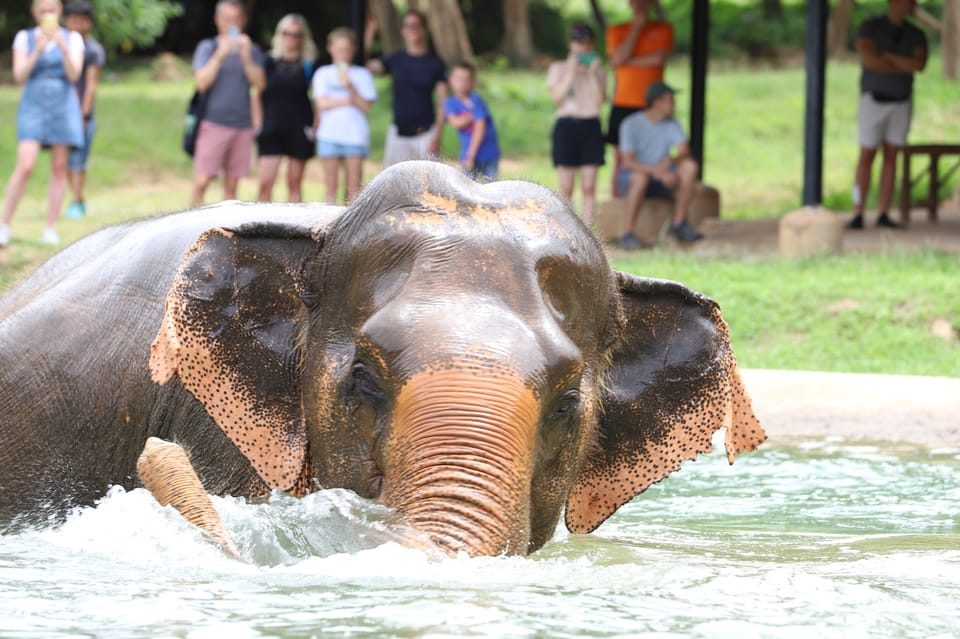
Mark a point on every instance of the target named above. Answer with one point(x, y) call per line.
point(292, 34)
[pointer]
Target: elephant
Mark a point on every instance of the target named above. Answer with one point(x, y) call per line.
point(463, 353)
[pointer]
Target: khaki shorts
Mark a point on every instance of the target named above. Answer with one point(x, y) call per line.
point(398, 149)
point(883, 122)
point(223, 150)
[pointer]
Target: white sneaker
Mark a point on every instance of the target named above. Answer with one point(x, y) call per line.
point(50, 237)
point(4, 235)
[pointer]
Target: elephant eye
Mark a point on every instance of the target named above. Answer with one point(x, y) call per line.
point(365, 385)
point(567, 405)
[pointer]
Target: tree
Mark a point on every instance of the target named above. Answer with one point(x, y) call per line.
point(517, 39)
point(129, 24)
point(388, 25)
point(839, 26)
point(448, 31)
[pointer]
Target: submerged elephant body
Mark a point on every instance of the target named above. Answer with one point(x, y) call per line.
point(462, 353)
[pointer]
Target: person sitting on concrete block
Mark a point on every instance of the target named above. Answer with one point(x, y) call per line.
point(647, 139)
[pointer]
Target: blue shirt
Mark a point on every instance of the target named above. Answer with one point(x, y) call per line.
point(489, 149)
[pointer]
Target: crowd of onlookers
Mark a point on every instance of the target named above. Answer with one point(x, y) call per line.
point(291, 111)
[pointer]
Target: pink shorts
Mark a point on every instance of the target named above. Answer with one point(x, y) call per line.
point(223, 149)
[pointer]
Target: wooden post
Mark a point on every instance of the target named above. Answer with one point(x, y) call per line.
point(951, 38)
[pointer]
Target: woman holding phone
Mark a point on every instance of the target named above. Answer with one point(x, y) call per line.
point(578, 86)
point(47, 61)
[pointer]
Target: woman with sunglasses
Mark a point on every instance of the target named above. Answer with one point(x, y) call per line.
point(288, 120)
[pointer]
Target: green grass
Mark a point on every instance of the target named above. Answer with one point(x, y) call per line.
point(849, 313)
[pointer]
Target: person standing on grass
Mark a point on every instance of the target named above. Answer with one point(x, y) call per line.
point(891, 51)
point(287, 116)
point(78, 16)
point(468, 114)
point(344, 93)
point(657, 163)
point(226, 68)
point(419, 77)
point(47, 60)
point(578, 86)
point(637, 51)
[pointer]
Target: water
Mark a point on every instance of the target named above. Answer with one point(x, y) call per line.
point(820, 539)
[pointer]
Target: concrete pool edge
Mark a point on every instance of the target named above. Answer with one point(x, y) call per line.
point(924, 411)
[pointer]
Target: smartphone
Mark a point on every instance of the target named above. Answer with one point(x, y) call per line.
point(587, 58)
point(233, 32)
point(49, 22)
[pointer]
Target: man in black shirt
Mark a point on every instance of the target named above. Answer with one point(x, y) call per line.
point(891, 51)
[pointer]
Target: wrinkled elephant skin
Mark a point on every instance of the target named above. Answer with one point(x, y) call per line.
point(461, 352)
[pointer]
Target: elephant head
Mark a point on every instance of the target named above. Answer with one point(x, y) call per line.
point(461, 352)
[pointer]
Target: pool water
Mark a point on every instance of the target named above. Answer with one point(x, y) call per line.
point(814, 539)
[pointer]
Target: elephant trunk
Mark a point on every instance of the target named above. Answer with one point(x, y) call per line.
point(460, 460)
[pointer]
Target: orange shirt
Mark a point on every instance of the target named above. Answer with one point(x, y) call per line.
point(631, 82)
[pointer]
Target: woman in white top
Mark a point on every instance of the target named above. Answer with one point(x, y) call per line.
point(344, 94)
point(47, 61)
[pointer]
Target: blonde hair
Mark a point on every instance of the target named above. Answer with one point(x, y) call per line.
point(342, 32)
point(308, 48)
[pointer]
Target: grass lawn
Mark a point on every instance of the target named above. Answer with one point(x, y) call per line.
point(851, 313)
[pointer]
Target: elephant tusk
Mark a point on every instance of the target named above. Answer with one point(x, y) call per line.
point(167, 473)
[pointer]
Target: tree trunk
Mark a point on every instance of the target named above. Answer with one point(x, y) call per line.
point(517, 39)
point(449, 32)
point(388, 20)
point(951, 38)
point(839, 27)
point(772, 9)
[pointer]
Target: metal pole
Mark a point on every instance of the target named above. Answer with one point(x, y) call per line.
point(698, 71)
point(357, 19)
point(816, 53)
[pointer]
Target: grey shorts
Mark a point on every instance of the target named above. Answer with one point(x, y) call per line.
point(883, 122)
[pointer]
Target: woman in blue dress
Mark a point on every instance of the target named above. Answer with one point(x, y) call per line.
point(47, 61)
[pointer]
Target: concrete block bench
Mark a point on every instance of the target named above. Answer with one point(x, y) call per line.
point(655, 215)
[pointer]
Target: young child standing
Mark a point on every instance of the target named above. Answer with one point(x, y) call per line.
point(468, 114)
point(78, 16)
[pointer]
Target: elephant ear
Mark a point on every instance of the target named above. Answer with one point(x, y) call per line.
point(673, 382)
point(230, 332)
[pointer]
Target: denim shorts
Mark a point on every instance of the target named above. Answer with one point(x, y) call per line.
point(328, 149)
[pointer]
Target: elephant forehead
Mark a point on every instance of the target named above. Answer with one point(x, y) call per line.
point(530, 221)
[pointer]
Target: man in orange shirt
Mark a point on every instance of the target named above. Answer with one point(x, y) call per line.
point(637, 50)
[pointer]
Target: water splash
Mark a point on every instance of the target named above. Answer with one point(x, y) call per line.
point(820, 539)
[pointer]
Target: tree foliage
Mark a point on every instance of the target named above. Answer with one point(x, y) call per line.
point(132, 24)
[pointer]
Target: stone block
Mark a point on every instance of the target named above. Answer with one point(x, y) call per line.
point(809, 231)
point(655, 215)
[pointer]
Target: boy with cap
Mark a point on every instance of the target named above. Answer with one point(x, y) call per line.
point(647, 140)
point(78, 16)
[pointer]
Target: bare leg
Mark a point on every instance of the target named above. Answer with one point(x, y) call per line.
point(59, 154)
point(27, 152)
point(331, 166)
point(354, 166)
point(862, 179)
point(617, 164)
point(200, 184)
point(295, 179)
point(635, 196)
point(230, 187)
point(566, 177)
point(588, 186)
point(686, 187)
point(267, 168)
point(888, 174)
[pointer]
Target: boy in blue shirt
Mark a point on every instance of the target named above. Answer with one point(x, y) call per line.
point(468, 114)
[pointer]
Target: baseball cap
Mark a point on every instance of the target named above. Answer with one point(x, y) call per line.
point(658, 90)
point(78, 7)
